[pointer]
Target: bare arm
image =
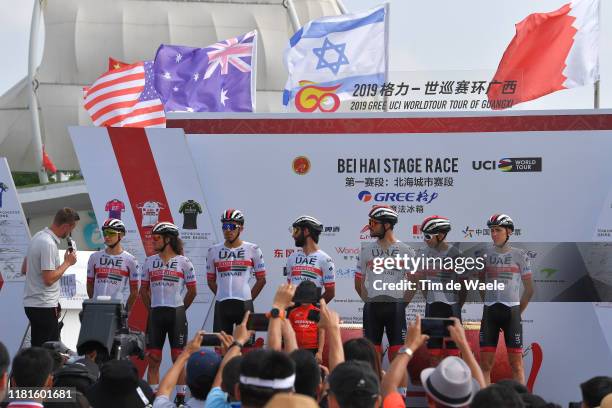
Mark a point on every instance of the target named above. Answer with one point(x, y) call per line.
point(132, 297)
point(51, 276)
point(90, 289)
point(257, 287)
point(213, 286)
point(190, 295)
point(329, 294)
point(330, 322)
point(282, 300)
point(241, 335)
point(145, 295)
point(394, 376)
point(527, 294)
point(170, 379)
point(288, 336)
point(457, 333)
point(24, 265)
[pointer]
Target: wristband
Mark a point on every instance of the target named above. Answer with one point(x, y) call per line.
point(236, 343)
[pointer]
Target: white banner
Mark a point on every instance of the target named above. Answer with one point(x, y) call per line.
point(14, 241)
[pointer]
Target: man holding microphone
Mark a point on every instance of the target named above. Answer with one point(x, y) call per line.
point(43, 272)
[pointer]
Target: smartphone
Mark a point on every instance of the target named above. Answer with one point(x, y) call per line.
point(257, 322)
point(314, 316)
point(211, 339)
point(71, 244)
point(436, 326)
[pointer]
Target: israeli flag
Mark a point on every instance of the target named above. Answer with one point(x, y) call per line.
point(338, 53)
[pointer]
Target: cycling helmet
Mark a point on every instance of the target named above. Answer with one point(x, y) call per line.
point(165, 228)
point(308, 221)
point(113, 224)
point(383, 213)
point(233, 215)
point(435, 224)
point(501, 220)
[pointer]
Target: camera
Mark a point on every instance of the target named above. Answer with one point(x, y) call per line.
point(104, 329)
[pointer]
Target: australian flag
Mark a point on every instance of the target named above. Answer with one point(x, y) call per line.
point(218, 78)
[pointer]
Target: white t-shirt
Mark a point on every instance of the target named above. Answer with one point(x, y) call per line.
point(43, 255)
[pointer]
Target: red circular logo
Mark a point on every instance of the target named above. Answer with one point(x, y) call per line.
point(301, 165)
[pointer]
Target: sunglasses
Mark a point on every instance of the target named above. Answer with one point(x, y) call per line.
point(428, 236)
point(372, 223)
point(109, 233)
point(157, 237)
point(227, 226)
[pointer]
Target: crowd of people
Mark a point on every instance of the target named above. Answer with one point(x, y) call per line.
point(300, 323)
point(282, 374)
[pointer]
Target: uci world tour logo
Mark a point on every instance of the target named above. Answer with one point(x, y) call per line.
point(364, 196)
point(311, 97)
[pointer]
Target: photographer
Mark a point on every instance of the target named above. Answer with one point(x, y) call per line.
point(43, 272)
point(304, 317)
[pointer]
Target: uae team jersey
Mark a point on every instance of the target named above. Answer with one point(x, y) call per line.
point(150, 213)
point(381, 284)
point(190, 210)
point(168, 280)
point(114, 208)
point(434, 270)
point(317, 267)
point(111, 274)
point(508, 268)
point(231, 269)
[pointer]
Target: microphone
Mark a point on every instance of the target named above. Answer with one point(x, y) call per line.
point(71, 244)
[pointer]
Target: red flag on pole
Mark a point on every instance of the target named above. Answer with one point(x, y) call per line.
point(47, 163)
point(115, 64)
point(549, 52)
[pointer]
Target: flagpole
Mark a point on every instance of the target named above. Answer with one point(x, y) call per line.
point(342, 7)
point(37, 133)
point(295, 21)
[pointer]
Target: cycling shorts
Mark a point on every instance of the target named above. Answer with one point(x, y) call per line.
point(166, 320)
point(380, 317)
point(501, 317)
point(230, 312)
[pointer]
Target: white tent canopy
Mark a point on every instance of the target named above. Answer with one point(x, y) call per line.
point(80, 35)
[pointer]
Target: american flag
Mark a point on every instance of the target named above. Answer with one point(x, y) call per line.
point(125, 97)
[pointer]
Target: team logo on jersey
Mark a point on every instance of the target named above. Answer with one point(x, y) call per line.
point(364, 196)
point(301, 165)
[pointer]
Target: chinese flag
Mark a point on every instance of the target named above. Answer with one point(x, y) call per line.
point(549, 52)
point(47, 163)
point(115, 64)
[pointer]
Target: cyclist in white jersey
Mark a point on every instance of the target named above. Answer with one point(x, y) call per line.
point(165, 276)
point(110, 270)
point(440, 303)
point(230, 265)
point(309, 262)
point(503, 308)
point(384, 311)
